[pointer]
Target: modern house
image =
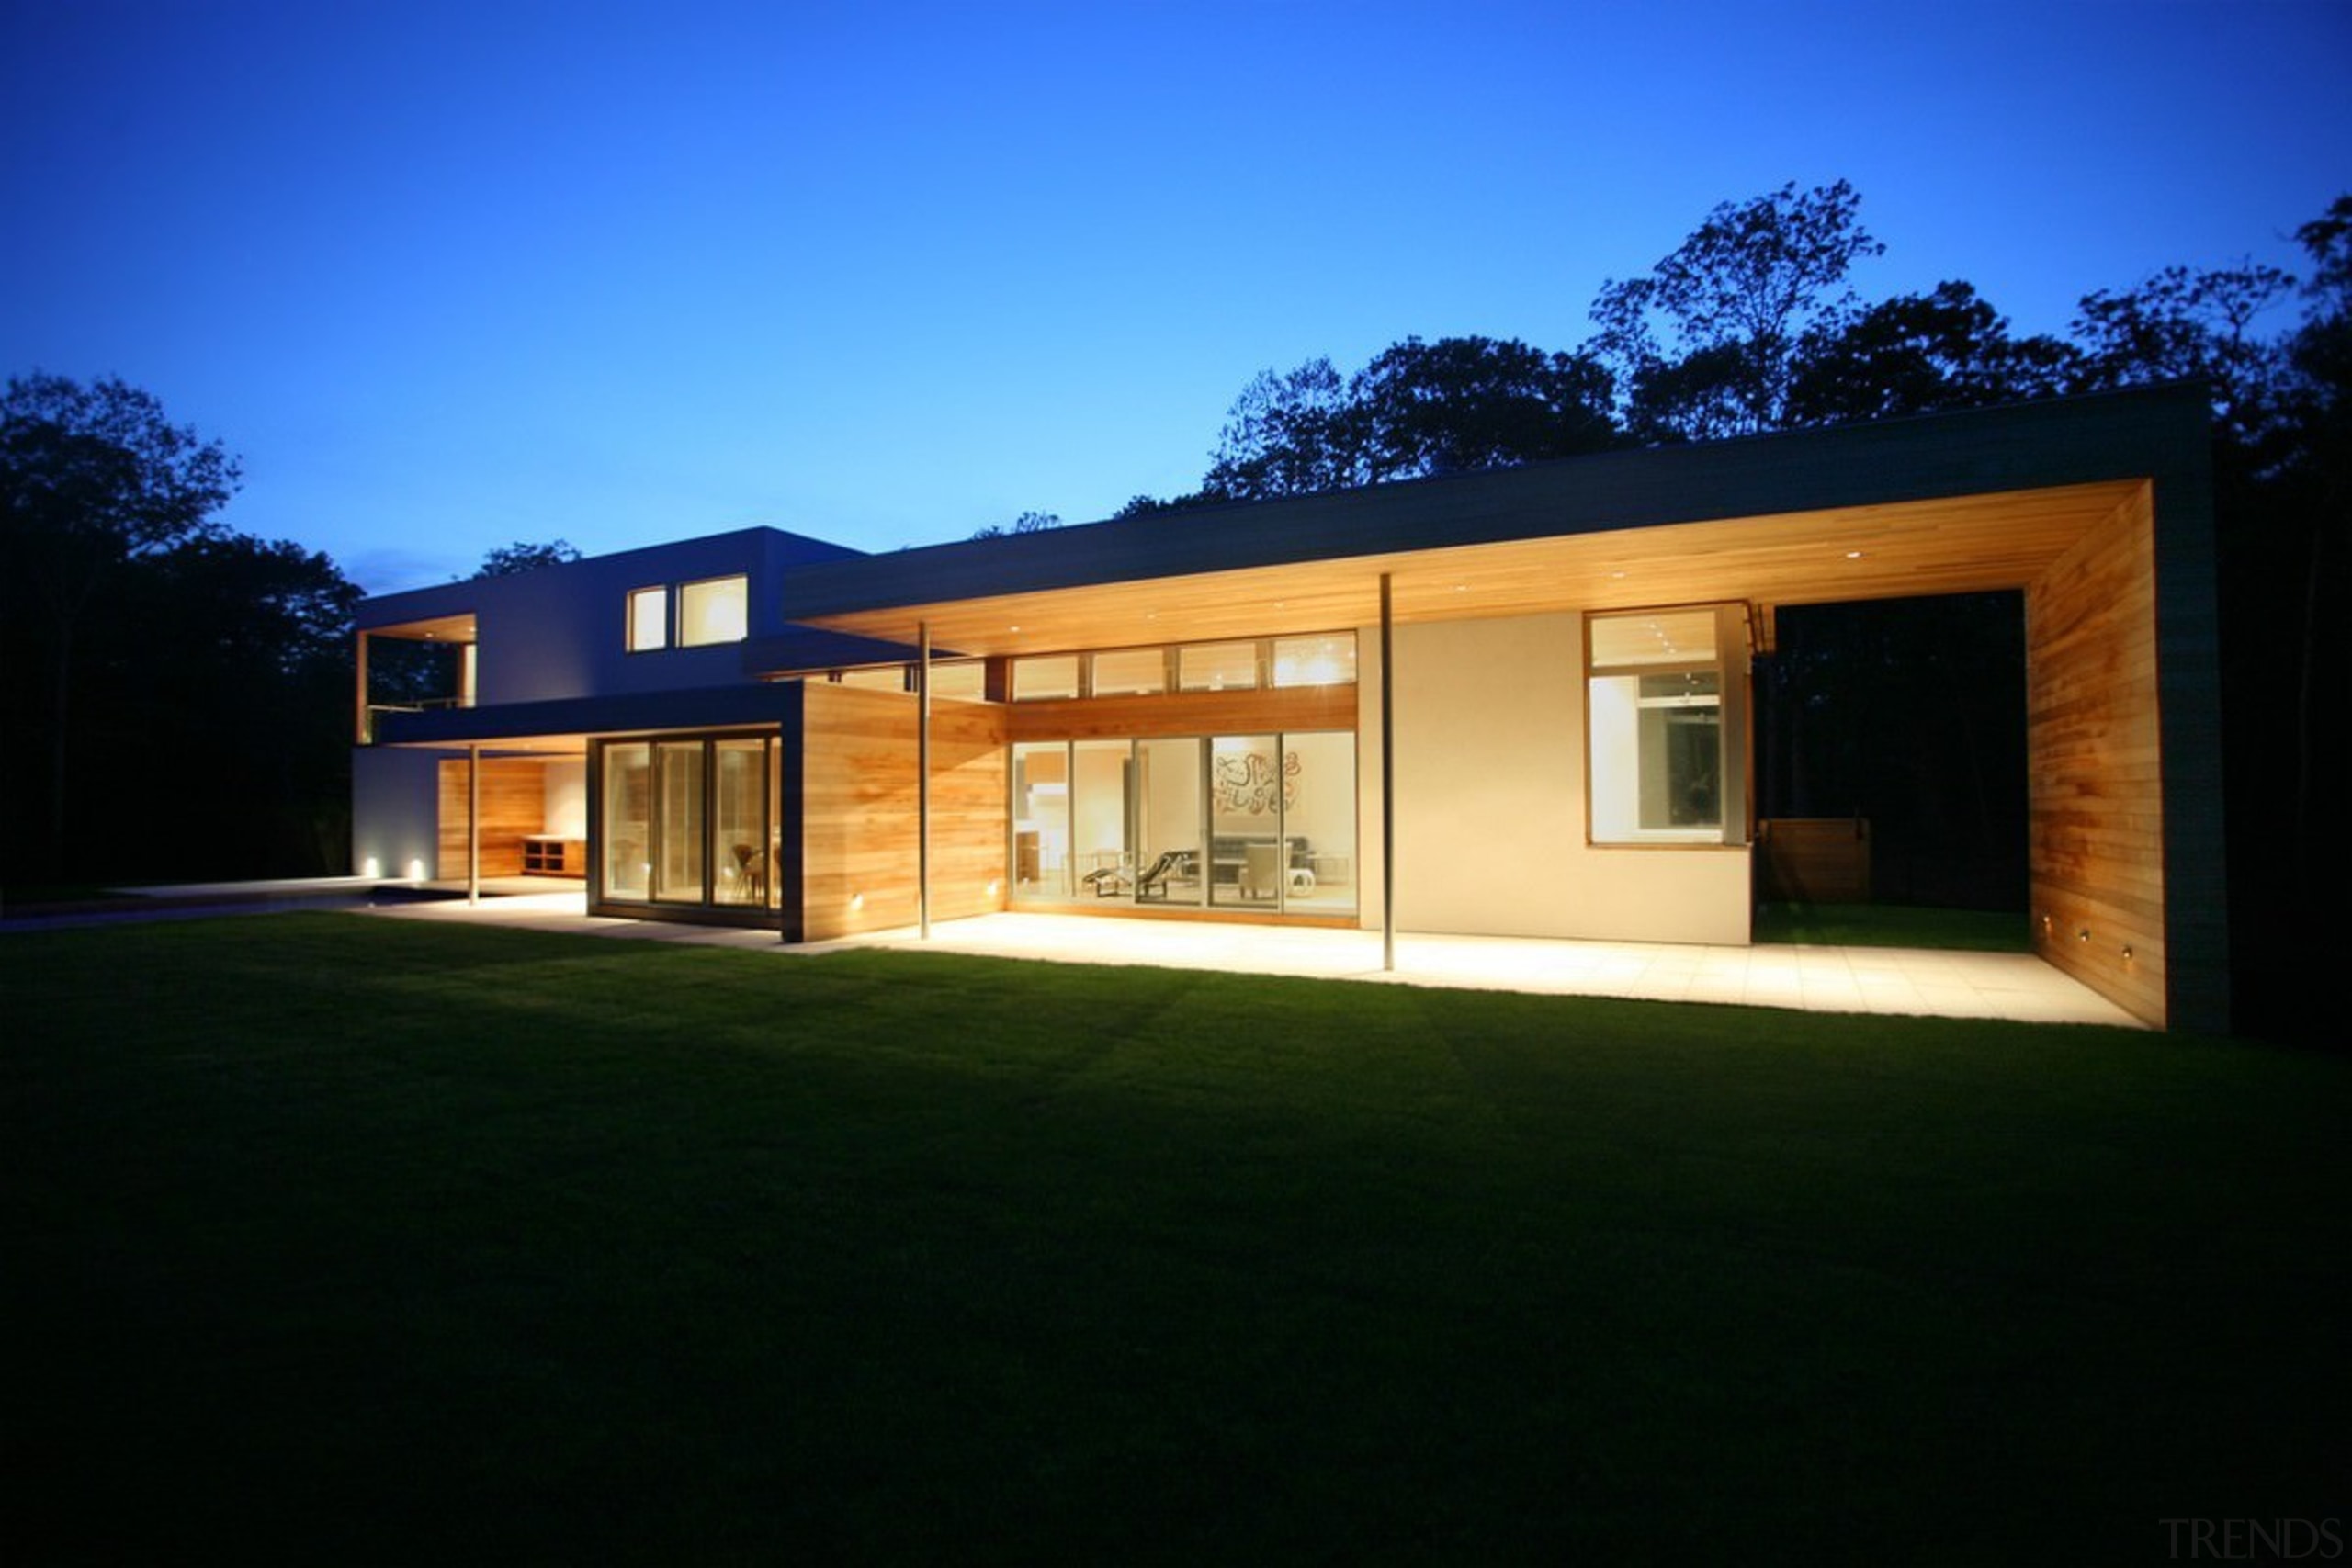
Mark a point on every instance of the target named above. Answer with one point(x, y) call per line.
point(1512, 703)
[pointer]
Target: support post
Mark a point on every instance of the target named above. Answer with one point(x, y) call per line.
point(359, 697)
point(473, 825)
point(923, 780)
point(1387, 779)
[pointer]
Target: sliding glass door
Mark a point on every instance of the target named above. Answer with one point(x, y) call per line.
point(687, 823)
point(1264, 823)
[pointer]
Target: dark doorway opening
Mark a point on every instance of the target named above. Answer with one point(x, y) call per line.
point(1908, 716)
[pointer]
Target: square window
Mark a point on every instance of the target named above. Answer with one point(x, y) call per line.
point(717, 610)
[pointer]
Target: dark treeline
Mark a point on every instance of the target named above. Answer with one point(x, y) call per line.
point(176, 699)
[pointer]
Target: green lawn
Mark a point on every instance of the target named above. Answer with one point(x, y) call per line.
point(1893, 925)
point(334, 1239)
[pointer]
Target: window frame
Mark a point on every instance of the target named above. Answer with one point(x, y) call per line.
point(742, 632)
point(660, 593)
point(1728, 662)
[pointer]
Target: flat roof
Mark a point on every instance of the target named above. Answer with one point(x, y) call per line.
point(1955, 502)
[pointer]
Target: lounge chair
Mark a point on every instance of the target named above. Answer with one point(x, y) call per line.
point(1152, 886)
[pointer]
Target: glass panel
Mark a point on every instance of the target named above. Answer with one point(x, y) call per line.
point(677, 822)
point(1054, 676)
point(738, 830)
point(774, 867)
point(1247, 782)
point(1130, 671)
point(1656, 757)
point(1168, 821)
point(1316, 661)
point(1319, 824)
point(627, 791)
point(888, 678)
point(1665, 636)
point(962, 683)
point(1217, 667)
point(715, 611)
point(1099, 813)
point(1041, 819)
point(649, 619)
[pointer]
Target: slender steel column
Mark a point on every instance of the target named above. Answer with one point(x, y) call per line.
point(473, 824)
point(1387, 779)
point(923, 780)
point(359, 707)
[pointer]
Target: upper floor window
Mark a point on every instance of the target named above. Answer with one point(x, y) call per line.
point(715, 610)
point(649, 619)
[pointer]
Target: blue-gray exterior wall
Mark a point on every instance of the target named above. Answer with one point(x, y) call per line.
point(561, 632)
point(395, 812)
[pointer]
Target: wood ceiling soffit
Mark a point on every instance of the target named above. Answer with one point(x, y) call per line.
point(1970, 544)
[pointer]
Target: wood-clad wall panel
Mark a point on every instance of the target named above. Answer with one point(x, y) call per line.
point(2096, 785)
point(514, 804)
point(1186, 712)
point(859, 812)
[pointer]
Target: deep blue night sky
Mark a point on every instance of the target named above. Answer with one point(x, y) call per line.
point(449, 275)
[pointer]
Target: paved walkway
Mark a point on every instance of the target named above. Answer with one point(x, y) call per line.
point(1822, 979)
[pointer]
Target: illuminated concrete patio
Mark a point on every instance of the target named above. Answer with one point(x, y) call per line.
point(1822, 979)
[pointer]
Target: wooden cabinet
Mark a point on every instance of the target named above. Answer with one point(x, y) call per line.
point(544, 856)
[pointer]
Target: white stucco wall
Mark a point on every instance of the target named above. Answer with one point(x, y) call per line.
point(1490, 799)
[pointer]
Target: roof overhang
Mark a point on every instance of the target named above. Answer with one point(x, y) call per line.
point(1949, 503)
point(565, 725)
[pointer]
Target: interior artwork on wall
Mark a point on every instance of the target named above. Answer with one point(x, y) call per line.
point(1244, 782)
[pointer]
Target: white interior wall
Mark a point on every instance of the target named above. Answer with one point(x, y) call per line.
point(566, 790)
point(1323, 809)
point(1100, 803)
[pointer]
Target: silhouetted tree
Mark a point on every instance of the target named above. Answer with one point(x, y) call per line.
point(1462, 403)
point(2195, 323)
point(1921, 352)
point(1027, 522)
point(1706, 344)
point(245, 700)
point(508, 559)
point(1418, 409)
point(1141, 505)
point(1293, 433)
point(92, 479)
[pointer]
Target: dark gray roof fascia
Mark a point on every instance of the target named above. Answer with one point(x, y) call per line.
point(2132, 434)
